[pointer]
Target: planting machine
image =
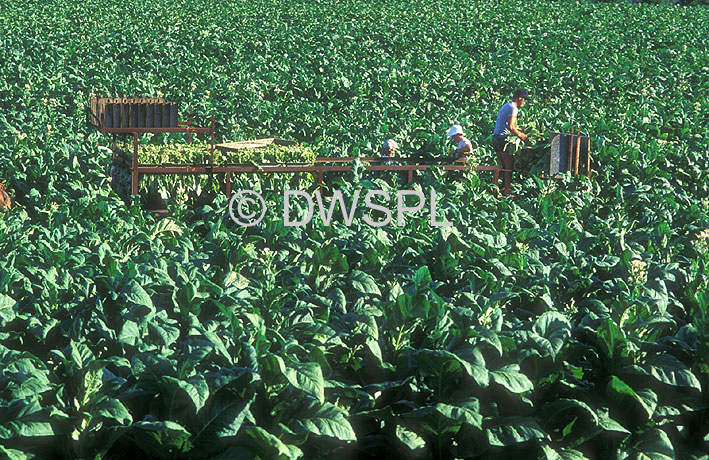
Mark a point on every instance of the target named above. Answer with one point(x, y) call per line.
point(135, 116)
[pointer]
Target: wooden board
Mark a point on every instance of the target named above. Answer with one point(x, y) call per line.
point(252, 144)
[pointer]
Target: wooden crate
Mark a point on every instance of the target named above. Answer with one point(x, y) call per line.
point(132, 112)
point(561, 146)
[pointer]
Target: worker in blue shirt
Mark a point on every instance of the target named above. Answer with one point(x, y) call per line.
point(505, 124)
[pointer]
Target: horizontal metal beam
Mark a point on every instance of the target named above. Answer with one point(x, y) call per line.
point(387, 159)
point(155, 130)
point(154, 169)
point(206, 169)
point(488, 168)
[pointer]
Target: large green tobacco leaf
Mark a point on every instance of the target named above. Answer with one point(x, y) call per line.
point(13, 454)
point(474, 364)
point(220, 421)
point(608, 424)
point(185, 393)
point(563, 454)
point(23, 375)
point(151, 367)
point(654, 444)
point(363, 283)
point(136, 295)
point(259, 443)
point(303, 376)
point(506, 431)
point(7, 308)
point(23, 418)
point(325, 420)
point(162, 439)
point(562, 414)
point(553, 330)
point(422, 280)
point(441, 365)
point(130, 333)
point(109, 410)
point(512, 379)
point(307, 377)
point(624, 397)
point(447, 415)
point(409, 438)
point(441, 423)
point(668, 369)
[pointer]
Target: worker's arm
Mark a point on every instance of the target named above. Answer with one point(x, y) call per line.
point(514, 130)
point(460, 152)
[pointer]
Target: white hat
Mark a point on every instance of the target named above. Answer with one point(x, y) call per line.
point(455, 129)
point(390, 144)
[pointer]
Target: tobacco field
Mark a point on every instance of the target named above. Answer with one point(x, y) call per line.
point(568, 322)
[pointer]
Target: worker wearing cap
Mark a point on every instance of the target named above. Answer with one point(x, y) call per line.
point(505, 124)
point(463, 145)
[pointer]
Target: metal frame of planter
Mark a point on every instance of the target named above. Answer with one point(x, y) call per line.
point(136, 116)
point(320, 169)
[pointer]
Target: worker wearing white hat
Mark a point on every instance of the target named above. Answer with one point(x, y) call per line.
point(463, 145)
point(388, 150)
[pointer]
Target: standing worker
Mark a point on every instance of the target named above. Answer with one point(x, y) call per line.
point(505, 124)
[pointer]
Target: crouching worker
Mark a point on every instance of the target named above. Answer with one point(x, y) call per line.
point(463, 145)
point(388, 150)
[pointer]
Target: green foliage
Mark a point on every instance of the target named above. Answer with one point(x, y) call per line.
point(570, 322)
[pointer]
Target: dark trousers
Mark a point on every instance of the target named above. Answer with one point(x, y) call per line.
point(505, 160)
